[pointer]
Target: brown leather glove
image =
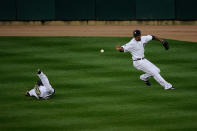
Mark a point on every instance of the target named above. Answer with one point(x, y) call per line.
point(165, 44)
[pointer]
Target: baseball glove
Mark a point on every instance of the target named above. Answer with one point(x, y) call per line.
point(165, 44)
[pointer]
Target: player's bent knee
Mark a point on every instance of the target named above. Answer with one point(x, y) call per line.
point(141, 77)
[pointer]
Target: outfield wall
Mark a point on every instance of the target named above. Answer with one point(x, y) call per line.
point(98, 10)
point(94, 22)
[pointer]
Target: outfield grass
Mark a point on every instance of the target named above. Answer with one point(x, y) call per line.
point(95, 91)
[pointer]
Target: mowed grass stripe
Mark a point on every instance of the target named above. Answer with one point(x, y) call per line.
point(95, 91)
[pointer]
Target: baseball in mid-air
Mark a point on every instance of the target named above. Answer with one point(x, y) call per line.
point(102, 50)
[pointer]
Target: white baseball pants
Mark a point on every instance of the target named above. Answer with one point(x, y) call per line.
point(150, 70)
point(45, 81)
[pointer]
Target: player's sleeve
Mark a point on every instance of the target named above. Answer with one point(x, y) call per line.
point(126, 47)
point(44, 80)
point(32, 92)
point(148, 38)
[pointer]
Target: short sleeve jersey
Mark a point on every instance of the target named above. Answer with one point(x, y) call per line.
point(136, 48)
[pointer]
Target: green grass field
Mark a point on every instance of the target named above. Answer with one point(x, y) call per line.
point(95, 91)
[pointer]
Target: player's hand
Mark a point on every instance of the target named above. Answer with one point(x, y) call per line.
point(118, 47)
point(38, 71)
point(27, 93)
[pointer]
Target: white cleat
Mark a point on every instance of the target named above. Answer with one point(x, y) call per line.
point(171, 88)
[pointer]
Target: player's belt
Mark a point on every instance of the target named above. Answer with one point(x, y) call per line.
point(138, 59)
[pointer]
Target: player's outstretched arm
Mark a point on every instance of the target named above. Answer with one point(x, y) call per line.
point(156, 38)
point(164, 43)
point(119, 48)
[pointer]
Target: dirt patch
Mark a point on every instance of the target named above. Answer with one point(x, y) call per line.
point(182, 32)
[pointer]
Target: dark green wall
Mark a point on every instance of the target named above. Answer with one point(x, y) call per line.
point(155, 9)
point(98, 10)
point(115, 9)
point(35, 9)
point(186, 9)
point(75, 9)
point(7, 9)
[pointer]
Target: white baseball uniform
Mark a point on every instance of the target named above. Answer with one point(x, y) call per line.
point(45, 91)
point(136, 48)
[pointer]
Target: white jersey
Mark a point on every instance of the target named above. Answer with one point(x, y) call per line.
point(136, 48)
point(45, 91)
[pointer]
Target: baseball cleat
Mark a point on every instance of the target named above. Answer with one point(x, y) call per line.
point(171, 88)
point(147, 83)
point(38, 71)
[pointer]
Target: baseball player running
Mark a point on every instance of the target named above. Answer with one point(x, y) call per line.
point(43, 89)
point(136, 48)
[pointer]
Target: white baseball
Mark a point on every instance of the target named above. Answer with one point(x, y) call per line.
point(102, 51)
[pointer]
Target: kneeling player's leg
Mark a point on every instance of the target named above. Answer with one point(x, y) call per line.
point(154, 71)
point(161, 81)
point(145, 67)
point(145, 76)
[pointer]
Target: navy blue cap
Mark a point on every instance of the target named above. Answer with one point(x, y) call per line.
point(136, 33)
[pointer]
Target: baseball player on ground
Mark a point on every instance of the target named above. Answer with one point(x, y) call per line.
point(43, 89)
point(136, 48)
